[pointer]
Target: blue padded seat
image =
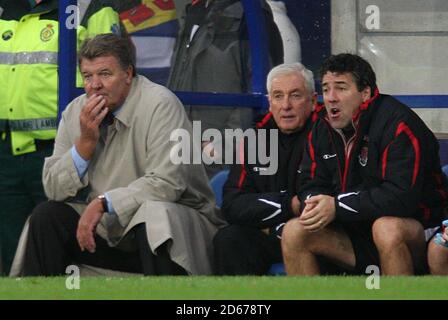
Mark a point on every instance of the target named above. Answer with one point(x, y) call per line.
point(217, 184)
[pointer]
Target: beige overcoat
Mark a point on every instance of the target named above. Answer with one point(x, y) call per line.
point(133, 165)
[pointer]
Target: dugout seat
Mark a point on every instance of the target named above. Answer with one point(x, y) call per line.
point(217, 184)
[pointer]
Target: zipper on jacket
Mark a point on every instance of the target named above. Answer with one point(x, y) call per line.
point(330, 129)
point(348, 148)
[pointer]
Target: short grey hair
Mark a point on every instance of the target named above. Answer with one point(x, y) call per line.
point(288, 68)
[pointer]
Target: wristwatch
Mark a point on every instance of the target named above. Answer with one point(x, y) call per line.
point(103, 200)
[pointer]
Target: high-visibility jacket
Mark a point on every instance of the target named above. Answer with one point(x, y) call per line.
point(29, 69)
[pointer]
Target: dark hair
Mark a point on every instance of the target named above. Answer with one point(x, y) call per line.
point(361, 70)
point(109, 44)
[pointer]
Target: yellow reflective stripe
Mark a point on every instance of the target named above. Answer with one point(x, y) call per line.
point(32, 124)
point(45, 57)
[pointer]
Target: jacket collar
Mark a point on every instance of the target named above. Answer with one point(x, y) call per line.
point(365, 105)
point(266, 121)
point(126, 111)
point(43, 6)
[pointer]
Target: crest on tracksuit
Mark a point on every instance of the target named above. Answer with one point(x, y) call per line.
point(363, 154)
point(47, 33)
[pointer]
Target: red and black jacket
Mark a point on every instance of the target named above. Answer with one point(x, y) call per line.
point(393, 168)
point(264, 201)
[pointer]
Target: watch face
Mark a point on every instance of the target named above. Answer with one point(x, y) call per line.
point(103, 200)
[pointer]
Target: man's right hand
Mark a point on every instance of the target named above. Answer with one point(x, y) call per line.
point(85, 233)
point(90, 119)
point(319, 211)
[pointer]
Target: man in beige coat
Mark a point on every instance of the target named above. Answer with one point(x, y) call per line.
point(116, 199)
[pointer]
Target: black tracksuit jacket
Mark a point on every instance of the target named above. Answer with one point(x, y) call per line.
point(264, 201)
point(393, 168)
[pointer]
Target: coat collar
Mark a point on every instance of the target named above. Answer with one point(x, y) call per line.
point(126, 111)
point(365, 105)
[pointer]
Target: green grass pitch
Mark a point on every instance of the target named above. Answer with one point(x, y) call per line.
point(225, 288)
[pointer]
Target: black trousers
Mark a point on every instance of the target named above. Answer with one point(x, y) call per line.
point(52, 246)
point(242, 250)
point(20, 191)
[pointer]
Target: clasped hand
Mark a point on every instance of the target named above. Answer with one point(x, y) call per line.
point(319, 211)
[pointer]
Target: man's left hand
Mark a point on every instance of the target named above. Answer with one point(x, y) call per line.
point(87, 225)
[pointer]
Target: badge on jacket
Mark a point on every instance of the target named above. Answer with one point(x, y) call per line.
point(363, 156)
point(47, 33)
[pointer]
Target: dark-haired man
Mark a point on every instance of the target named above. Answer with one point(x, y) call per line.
point(117, 200)
point(370, 181)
